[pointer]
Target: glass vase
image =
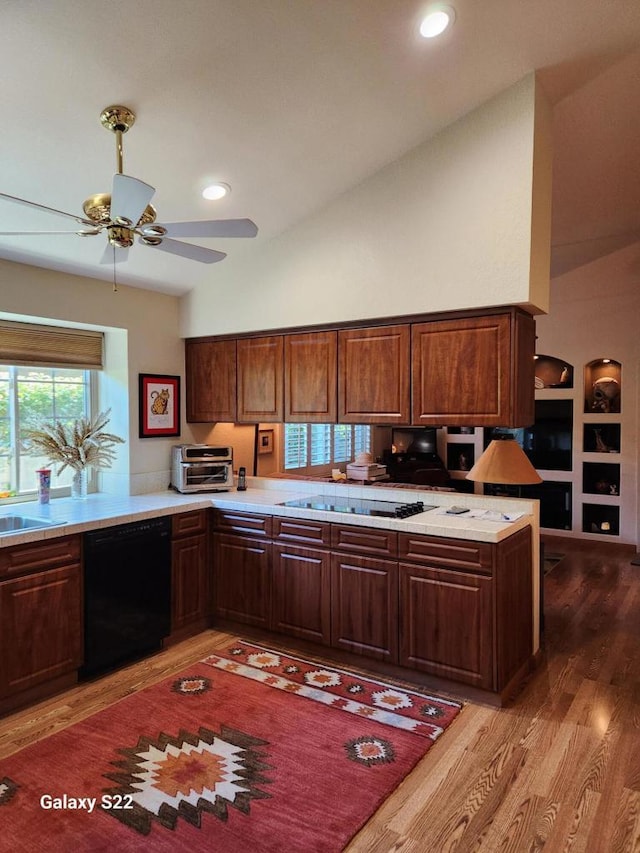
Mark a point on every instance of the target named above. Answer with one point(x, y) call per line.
point(79, 484)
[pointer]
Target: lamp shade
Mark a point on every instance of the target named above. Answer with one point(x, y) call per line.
point(504, 462)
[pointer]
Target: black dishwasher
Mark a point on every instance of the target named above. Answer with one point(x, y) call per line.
point(127, 592)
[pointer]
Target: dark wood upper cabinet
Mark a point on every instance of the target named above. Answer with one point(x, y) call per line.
point(310, 376)
point(211, 381)
point(470, 369)
point(373, 375)
point(260, 380)
point(474, 371)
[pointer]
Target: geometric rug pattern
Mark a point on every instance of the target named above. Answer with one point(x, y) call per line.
point(168, 778)
point(250, 750)
point(416, 712)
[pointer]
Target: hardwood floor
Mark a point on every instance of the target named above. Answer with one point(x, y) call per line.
point(557, 770)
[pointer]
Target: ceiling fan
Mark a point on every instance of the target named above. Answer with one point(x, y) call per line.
point(127, 212)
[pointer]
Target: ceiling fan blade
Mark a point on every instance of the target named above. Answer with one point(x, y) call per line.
point(212, 228)
point(187, 250)
point(41, 233)
point(47, 209)
point(129, 198)
point(114, 254)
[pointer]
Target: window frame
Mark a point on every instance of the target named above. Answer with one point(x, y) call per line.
point(24, 494)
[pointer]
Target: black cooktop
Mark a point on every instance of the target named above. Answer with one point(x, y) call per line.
point(361, 506)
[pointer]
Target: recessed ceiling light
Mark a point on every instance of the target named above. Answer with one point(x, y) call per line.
point(436, 21)
point(216, 191)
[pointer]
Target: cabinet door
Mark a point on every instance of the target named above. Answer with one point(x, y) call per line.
point(242, 579)
point(40, 628)
point(301, 590)
point(190, 595)
point(373, 375)
point(464, 372)
point(364, 606)
point(514, 606)
point(446, 624)
point(211, 381)
point(310, 370)
point(260, 380)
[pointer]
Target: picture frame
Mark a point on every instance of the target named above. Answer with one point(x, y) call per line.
point(159, 405)
point(265, 441)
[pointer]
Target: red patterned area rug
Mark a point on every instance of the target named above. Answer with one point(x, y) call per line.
point(250, 749)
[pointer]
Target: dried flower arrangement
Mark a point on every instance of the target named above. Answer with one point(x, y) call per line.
point(80, 446)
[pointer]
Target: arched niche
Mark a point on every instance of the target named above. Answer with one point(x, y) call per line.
point(603, 386)
point(552, 372)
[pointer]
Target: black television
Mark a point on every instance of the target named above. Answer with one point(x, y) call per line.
point(420, 440)
point(549, 442)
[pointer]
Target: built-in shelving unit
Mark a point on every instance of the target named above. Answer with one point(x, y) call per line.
point(598, 468)
point(575, 445)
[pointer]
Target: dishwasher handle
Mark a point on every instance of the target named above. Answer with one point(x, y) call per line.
point(123, 533)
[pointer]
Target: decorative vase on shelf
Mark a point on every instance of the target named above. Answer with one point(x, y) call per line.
point(79, 484)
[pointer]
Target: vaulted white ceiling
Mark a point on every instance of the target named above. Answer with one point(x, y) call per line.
point(292, 102)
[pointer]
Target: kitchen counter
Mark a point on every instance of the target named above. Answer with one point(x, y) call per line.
point(492, 589)
point(265, 495)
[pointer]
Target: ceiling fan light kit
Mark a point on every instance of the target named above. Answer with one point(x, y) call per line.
point(126, 213)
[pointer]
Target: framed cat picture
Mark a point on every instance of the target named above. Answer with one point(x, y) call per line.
point(159, 397)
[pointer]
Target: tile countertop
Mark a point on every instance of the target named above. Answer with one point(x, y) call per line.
point(264, 495)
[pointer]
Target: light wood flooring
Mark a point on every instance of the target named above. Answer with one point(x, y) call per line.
point(557, 770)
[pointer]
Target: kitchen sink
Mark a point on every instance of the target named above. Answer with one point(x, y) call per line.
point(16, 523)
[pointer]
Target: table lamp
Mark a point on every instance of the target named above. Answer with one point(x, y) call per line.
point(504, 462)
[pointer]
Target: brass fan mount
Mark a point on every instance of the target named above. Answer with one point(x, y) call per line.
point(98, 208)
point(117, 118)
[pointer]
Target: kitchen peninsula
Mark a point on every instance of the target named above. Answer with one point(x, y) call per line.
point(432, 596)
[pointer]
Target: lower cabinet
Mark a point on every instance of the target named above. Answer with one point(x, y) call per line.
point(364, 606)
point(455, 609)
point(242, 573)
point(190, 572)
point(301, 593)
point(40, 616)
point(446, 624)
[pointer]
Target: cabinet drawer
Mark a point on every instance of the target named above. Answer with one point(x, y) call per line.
point(36, 556)
point(243, 523)
point(304, 532)
point(449, 553)
point(186, 523)
point(364, 540)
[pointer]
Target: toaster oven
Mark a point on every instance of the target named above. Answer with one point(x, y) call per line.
point(201, 468)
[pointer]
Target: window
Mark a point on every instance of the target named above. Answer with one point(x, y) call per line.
point(29, 395)
point(322, 445)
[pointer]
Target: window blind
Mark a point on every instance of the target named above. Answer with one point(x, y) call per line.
point(45, 346)
point(313, 445)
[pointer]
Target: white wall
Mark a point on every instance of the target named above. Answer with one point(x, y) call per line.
point(142, 337)
point(453, 224)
